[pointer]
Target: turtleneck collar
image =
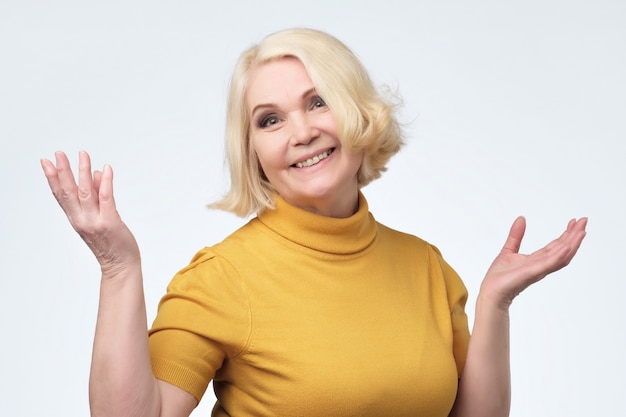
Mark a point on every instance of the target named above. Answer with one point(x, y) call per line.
point(321, 233)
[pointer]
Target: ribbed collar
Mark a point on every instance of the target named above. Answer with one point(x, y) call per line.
point(321, 233)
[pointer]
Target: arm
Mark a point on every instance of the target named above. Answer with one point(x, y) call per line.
point(121, 381)
point(485, 385)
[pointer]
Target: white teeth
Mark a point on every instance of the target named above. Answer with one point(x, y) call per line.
point(314, 160)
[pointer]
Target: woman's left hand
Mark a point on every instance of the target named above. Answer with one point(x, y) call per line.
point(512, 272)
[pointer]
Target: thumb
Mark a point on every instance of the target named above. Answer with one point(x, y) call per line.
point(516, 234)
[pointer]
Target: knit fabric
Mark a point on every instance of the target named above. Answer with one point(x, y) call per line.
point(297, 314)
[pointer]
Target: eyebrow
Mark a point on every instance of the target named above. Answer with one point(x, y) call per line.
point(304, 95)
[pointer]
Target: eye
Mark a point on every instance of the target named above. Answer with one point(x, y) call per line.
point(268, 121)
point(317, 102)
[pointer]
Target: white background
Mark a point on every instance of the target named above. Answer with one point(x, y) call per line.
point(510, 109)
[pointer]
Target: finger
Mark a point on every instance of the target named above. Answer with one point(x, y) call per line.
point(516, 234)
point(577, 235)
point(86, 192)
point(52, 175)
point(50, 172)
point(572, 236)
point(581, 224)
point(105, 193)
point(570, 225)
point(97, 177)
point(551, 258)
point(64, 187)
point(559, 253)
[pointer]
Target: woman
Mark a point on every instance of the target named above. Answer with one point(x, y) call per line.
point(312, 308)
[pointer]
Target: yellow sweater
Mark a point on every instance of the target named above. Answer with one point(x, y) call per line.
point(297, 314)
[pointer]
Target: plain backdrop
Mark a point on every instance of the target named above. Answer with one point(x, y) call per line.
point(511, 108)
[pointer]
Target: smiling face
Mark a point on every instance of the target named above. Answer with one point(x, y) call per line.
point(294, 135)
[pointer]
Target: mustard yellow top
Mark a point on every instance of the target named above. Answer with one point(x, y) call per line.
point(297, 314)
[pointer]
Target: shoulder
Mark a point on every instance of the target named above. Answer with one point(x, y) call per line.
point(219, 259)
point(215, 253)
point(420, 250)
point(397, 238)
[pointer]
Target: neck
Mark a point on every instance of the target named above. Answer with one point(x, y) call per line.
point(340, 209)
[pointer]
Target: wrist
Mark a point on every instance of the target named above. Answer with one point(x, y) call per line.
point(493, 301)
point(120, 270)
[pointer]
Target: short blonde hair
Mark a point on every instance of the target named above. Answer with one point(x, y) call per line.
point(365, 120)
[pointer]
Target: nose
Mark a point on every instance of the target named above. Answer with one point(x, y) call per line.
point(303, 130)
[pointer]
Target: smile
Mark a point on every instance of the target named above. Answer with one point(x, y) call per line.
point(312, 161)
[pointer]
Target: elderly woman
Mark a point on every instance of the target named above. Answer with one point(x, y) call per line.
point(312, 308)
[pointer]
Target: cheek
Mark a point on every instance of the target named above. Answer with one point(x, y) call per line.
point(270, 149)
point(329, 124)
point(262, 156)
point(355, 164)
point(357, 160)
point(265, 155)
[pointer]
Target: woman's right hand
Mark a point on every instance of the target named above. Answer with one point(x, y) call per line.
point(90, 208)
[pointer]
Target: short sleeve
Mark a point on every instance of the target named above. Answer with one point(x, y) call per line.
point(457, 298)
point(202, 320)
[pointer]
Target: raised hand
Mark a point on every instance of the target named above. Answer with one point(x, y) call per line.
point(512, 272)
point(90, 208)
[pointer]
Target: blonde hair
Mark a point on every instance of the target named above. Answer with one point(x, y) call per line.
point(365, 120)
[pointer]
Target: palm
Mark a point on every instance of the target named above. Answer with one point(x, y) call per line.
point(90, 208)
point(512, 272)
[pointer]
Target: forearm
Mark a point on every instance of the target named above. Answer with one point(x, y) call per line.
point(121, 381)
point(485, 385)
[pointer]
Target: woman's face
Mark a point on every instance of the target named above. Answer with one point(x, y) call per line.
point(295, 138)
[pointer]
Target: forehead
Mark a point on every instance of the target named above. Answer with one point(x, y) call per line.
point(276, 80)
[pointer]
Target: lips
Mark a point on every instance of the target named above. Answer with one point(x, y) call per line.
point(314, 160)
